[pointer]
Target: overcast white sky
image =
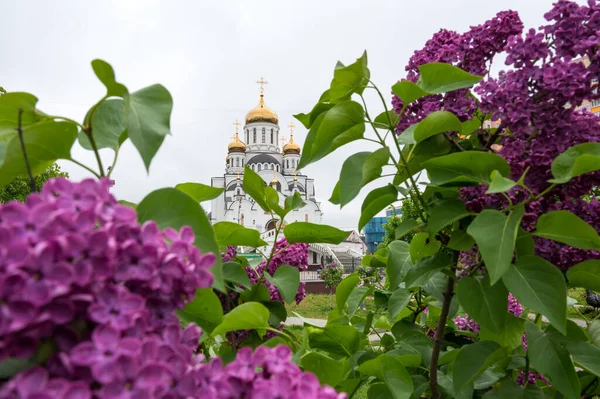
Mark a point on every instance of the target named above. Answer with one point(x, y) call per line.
point(209, 55)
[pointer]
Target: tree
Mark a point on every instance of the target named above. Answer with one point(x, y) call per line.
point(19, 188)
point(409, 211)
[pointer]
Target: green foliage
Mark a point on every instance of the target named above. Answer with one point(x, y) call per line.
point(332, 274)
point(19, 188)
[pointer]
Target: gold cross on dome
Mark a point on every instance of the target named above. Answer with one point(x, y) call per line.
point(291, 126)
point(262, 82)
point(282, 140)
point(236, 124)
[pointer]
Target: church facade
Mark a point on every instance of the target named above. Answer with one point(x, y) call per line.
point(259, 149)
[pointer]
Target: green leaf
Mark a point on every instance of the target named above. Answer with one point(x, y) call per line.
point(229, 233)
point(435, 123)
point(398, 301)
point(309, 119)
point(372, 168)
point(278, 312)
point(287, 280)
point(444, 213)
point(340, 125)
point(466, 168)
point(510, 336)
point(10, 103)
point(106, 74)
point(586, 355)
point(486, 304)
point(356, 297)
point(495, 235)
point(405, 227)
point(594, 332)
point(460, 241)
point(292, 202)
point(552, 360)
point(200, 192)
point(576, 161)
point(247, 316)
point(351, 177)
point(336, 339)
point(235, 272)
point(408, 92)
point(132, 205)
point(45, 142)
point(386, 120)
point(567, 228)
point(349, 79)
point(408, 135)
point(169, 207)
point(437, 77)
point(423, 246)
point(391, 371)
point(148, 114)
point(425, 269)
point(499, 183)
point(204, 310)
point(108, 124)
point(398, 263)
point(313, 233)
point(258, 293)
point(376, 201)
point(272, 198)
point(11, 366)
point(254, 186)
point(343, 290)
point(524, 244)
point(585, 274)
point(473, 360)
point(539, 285)
point(329, 371)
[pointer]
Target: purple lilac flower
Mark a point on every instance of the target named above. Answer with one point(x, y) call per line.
point(77, 269)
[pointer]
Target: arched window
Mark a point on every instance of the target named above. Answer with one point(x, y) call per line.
point(237, 162)
point(259, 167)
point(247, 135)
point(237, 192)
point(242, 161)
point(306, 217)
point(287, 163)
point(264, 133)
point(271, 136)
point(254, 136)
point(277, 168)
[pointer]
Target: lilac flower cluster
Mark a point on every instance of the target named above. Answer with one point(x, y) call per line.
point(554, 69)
point(537, 102)
point(267, 374)
point(77, 270)
point(295, 255)
point(464, 323)
point(471, 51)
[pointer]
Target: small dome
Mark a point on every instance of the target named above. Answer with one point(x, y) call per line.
point(261, 113)
point(236, 145)
point(291, 147)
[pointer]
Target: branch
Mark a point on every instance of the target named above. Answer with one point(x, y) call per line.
point(439, 334)
point(453, 142)
point(20, 132)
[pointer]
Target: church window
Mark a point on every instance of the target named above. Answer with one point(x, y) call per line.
point(287, 163)
point(277, 168)
point(242, 162)
point(237, 192)
point(242, 220)
point(259, 167)
point(306, 217)
point(314, 258)
point(254, 136)
point(253, 221)
point(247, 135)
point(263, 134)
point(271, 136)
point(237, 162)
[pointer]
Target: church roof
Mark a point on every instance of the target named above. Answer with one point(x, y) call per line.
point(261, 113)
point(263, 158)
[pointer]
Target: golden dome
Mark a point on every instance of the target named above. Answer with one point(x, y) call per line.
point(274, 181)
point(291, 147)
point(236, 145)
point(261, 113)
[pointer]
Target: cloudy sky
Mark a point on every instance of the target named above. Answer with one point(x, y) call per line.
point(209, 55)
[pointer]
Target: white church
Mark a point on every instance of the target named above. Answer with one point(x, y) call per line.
point(277, 165)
